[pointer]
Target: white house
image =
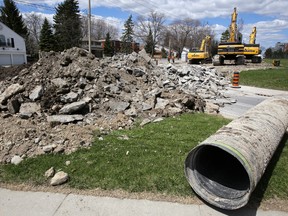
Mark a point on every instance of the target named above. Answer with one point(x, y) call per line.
point(12, 47)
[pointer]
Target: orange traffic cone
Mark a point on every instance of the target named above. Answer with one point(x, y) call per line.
point(235, 81)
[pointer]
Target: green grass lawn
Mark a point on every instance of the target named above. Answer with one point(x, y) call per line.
point(275, 78)
point(149, 159)
point(152, 159)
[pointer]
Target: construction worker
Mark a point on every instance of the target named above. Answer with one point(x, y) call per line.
point(171, 56)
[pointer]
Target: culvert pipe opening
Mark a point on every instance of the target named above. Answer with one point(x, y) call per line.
point(218, 176)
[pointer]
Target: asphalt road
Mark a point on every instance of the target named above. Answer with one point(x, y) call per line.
point(247, 97)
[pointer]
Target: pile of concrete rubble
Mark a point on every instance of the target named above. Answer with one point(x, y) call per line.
point(109, 93)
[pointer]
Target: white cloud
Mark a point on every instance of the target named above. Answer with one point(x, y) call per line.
point(268, 32)
point(43, 15)
point(273, 28)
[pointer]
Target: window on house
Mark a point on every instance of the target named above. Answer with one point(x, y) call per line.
point(2, 40)
point(12, 42)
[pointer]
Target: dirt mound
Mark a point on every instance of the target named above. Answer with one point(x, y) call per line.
point(57, 103)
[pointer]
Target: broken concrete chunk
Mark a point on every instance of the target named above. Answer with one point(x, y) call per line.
point(131, 112)
point(64, 118)
point(145, 121)
point(144, 55)
point(73, 107)
point(60, 83)
point(146, 106)
point(161, 103)
point(16, 160)
point(69, 98)
point(118, 106)
point(36, 93)
point(10, 91)
point(13, 106)
point(28, 109)
point(50, 172)
point(59, 178)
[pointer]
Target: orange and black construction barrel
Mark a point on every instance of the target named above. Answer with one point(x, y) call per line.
point(235, 81)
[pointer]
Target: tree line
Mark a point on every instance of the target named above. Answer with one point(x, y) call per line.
point(69, 28)
point(280, 54)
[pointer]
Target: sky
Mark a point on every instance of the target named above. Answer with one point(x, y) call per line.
point(269, 16)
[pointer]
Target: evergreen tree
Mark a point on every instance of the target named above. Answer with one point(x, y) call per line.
point(149, 47)
point(47, 41)
point(127, 36)
point(225, 36)
point(67, 25)
point(108, 48)
point(10, 16)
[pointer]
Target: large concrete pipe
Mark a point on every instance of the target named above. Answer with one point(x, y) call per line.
point(226, 167)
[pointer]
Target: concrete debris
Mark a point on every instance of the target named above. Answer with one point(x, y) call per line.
point(59, 178)
point(110, 93)
point(16, 160)
point(50, 172)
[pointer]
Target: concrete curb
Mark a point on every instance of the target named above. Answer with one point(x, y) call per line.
point(56, 204)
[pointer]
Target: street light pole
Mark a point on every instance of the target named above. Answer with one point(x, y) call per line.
point(89, 25)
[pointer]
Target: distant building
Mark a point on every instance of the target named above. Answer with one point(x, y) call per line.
point(12, 47)
point(280, 46)
point(97, 46)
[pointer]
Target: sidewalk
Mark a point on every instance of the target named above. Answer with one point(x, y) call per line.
point(14, 203)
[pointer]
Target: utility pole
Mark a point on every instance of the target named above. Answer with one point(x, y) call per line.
point(89, 25)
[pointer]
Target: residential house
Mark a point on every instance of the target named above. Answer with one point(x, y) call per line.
point(12, 47)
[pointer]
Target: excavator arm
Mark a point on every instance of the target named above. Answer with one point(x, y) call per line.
point(253, 36)
point(233, 27)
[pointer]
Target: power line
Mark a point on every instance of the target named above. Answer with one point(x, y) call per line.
point(35, 5)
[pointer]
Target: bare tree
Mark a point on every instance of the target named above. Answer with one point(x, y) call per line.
point(99, 28)
point(186, 33)
point(155, 22)
point(182, 31)
point(34, 23)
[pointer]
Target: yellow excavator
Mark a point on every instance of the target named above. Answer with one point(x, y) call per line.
point(252, 50)
point(202, 55)
point(232, 49)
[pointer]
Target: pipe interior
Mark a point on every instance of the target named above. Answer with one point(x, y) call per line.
point(220, 173)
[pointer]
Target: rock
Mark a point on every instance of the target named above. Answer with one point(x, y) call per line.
point(69, 98)
point(13, 106)
point(158, 119)
point(64, 118)
point(48, 148)
point(174, 110)
point(16, 160)
point(161, 103)
point(137, 72)
point(28, 109)
point(73, 107)
point(36, 93)
point(145, 121)
point(131, 112)
point(50, 172)
point(211, 108)
point(59, 178)
point(67, 163)
point(60, 83)
point(10, 91)
point(118, 106)
point(146, 106)
point(144, 55)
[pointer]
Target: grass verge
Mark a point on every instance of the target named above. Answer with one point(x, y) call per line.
point(142, 159)
point(148, 159)
point(275, 78)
